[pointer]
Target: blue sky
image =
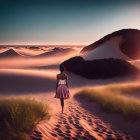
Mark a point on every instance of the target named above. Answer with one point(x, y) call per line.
point(64, 22)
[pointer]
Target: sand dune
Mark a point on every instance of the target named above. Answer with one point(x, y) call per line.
point(35, 62)
point(27, 51)
point(56, 52)
point(130, 44)
point(109, 49)
point(51, 53)
point(26, 81)
point(37, 52)
point(10, 53)
point(35, 81)
point(77, 81)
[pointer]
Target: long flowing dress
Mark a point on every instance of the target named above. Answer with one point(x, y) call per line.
point(62, 90)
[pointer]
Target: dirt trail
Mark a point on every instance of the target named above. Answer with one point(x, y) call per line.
point(75, 123)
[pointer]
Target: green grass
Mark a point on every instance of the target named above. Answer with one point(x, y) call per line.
point(18, 117)
point(113, 98)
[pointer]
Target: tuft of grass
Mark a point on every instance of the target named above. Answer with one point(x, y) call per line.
point(113, 99)
point(18, 117)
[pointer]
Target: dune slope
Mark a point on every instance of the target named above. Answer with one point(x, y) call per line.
point(130, 44)
point(9, 53)
point(110, 49)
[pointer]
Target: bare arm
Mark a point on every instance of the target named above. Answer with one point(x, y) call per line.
point(57, 82)
point(67, 82)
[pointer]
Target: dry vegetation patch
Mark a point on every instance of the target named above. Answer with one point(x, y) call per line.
point(113, 98)
point(18, 117)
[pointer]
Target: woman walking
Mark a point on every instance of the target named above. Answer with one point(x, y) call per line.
point(62, 91)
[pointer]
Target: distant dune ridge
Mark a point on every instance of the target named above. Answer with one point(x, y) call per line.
point(56, 51)
point(10, 53)
point(126, 40)
point(53, 52)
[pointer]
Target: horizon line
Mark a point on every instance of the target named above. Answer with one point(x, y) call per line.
point(43, 44)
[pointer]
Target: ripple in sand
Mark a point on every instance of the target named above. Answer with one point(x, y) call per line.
point(54, 135)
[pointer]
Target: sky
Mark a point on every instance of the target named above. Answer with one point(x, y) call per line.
point(64, 22)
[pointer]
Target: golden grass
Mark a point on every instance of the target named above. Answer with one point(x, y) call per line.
point(18, 117)
point(113, 98)
point(122, 88)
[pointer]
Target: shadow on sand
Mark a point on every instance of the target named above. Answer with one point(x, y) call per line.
point(19, 84)
point(129, 127)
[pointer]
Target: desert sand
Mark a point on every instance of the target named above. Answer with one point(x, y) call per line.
point(35, 77)
point(109, 49)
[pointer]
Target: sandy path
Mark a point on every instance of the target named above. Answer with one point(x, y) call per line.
point(75, 123)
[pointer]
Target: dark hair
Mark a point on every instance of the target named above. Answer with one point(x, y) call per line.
point(61, 68)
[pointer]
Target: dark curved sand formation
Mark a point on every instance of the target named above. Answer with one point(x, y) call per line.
point(130, 44)
point(101, 68)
